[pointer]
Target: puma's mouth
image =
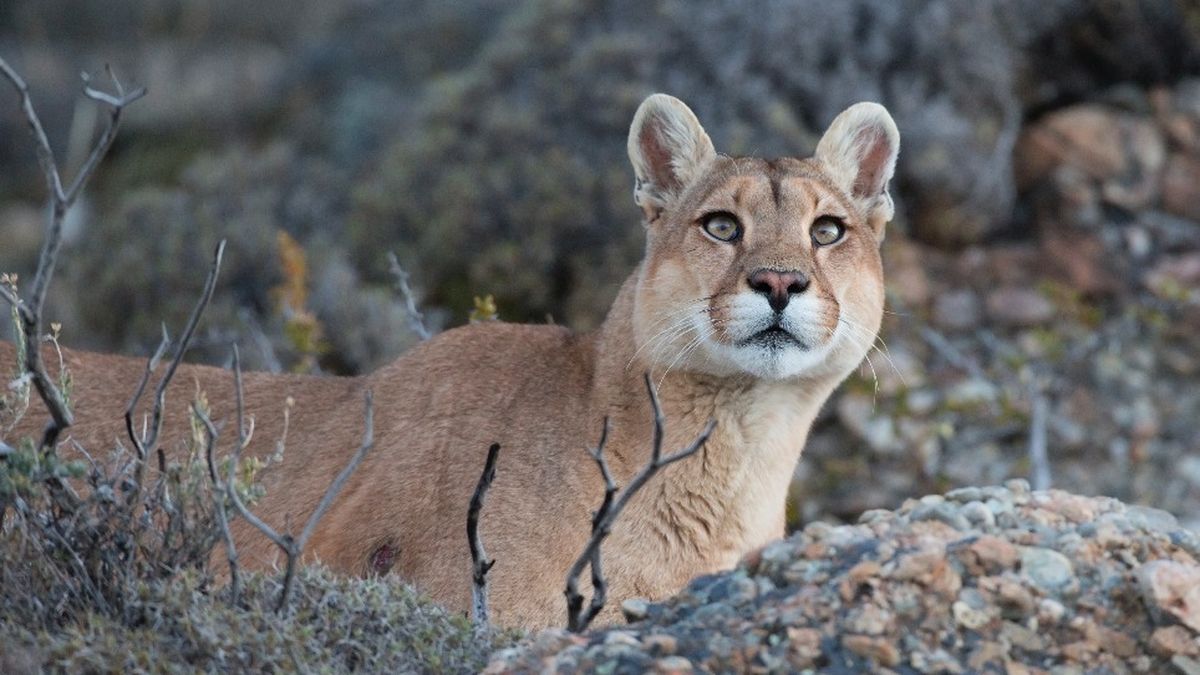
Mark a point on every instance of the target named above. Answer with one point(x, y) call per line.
point(774, 337)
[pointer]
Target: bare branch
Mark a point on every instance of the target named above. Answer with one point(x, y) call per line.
point(610, 510)
point(291, 546)
point(1039, 462)
point(11, 298)
point(336, 487)
point(218, 496)
point(416, 320)
point(44, 154)
point(116, 104)
point(149, 440)
point(151, 366)
point(60, 202)
point(479, 561)
point(599, 585)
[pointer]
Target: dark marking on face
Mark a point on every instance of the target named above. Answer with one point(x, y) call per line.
point(775, 174)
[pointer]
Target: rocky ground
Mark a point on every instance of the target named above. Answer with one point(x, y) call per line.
point(991, 579)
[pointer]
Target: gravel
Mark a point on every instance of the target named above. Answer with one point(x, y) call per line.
point(984, 579)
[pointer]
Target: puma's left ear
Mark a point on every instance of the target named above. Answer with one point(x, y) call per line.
point(859, 150)
point(668, 148)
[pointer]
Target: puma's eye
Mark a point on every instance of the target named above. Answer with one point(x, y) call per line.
point(827, 231)
point(722, 226)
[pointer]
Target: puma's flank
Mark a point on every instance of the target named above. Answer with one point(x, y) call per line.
point(761, 290)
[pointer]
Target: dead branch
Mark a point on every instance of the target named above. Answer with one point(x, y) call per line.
point(479, 560)
point(148, 441)
point(1039, 462)
point(416, 320)
point(293, 546)
point(218, 496)
point(604, 518)
point(61, 201)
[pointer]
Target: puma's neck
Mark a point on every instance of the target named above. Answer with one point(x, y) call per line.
point(730, 497)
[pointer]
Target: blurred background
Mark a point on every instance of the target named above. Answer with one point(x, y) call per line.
point(1044, 266)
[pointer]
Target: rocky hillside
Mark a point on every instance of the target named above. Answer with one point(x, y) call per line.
point(1042, 269)
point(985, 579)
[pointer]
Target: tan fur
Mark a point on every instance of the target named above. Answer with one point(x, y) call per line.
point(542, 392)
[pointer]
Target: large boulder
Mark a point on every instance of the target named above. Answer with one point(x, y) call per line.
point(992, 579)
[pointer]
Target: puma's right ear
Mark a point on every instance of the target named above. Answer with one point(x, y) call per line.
point(859, 150)
point(668, 148)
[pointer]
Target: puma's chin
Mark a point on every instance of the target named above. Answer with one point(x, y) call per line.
point(770, 349)
point(774, 354)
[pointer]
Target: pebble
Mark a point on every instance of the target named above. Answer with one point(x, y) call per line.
point(1019, 307)
point(634, 609)
point(1047, 569)
point(1172, 589)
point(1172, 640)
point(979, 515)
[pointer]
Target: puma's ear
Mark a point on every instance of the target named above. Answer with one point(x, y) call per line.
point(668, 148)
point(859, 150)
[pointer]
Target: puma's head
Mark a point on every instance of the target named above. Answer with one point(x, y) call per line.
point(769, 268)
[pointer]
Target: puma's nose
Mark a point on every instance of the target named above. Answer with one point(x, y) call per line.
point(779, 287)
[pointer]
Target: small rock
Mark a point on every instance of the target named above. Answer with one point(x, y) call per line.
point(1151, 519)
point(869, 620)
point(858, 414)
point(620, 637)
point(665, 644)
point(880, 650)
point(942, 513)
point(979, 515)
point(1171, 640)
point(957, 310)
point(804, 645)
point(965, 494)
point(634, 609)
point(1051, 611)
point(993, 554)
point(1021, 637)
point(969, 617)
point(1047, 569)
point(1086, 136)
point(1019, 307)
point(1018, 486)
point(921, 402)
point(1186, 664)
point(1176, 277)
point(672, 665)
point(857, 576)
point(1181, 186)
point(1172, 589)
point(970, 393)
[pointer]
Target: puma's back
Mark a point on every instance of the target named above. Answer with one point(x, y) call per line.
point(761, 289)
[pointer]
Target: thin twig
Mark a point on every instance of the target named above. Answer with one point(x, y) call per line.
point(292, 546)
point(139, 470)
point(953, 354)
point(416, 320)
point(610, 510)
point(479, 560)
point(148, 440)
point(218, 496)
point(60, 202)
point(599, 584)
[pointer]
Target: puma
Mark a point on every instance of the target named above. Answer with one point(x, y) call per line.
point(760, 291)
